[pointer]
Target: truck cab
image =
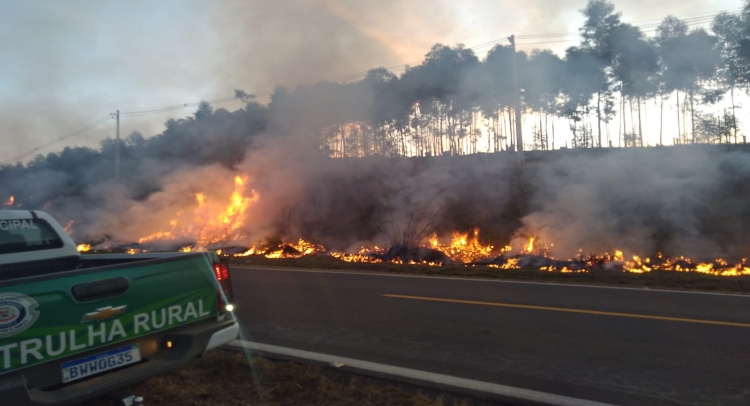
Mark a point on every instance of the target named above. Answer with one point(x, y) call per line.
point(32, 242)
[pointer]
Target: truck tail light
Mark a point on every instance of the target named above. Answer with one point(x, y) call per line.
point(225, 295)
point(221, 270)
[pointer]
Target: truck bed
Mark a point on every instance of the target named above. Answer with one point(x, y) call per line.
point(165, 305)
point(72, 263)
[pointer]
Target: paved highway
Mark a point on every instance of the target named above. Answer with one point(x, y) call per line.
point(614, 345)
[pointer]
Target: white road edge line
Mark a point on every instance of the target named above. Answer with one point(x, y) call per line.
point(413, 374)
point(569, 285)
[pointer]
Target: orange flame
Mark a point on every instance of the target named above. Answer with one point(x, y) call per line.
point(291, 250)
point(210, 222)
point(364, 255)
point(530, 245)
point(462, 248)
point(300, 249)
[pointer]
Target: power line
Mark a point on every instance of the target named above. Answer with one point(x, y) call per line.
point(78, 132)
point(646, 28)
point(685, 17)
point(172, 108)
point(548, 42)
point(403, 66)
point(693, 20)
point(553, 34)
point(554, 38)
point(688, 21)
point(153, 111)
point(106, 118)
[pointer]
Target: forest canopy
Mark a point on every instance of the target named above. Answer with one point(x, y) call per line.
point(455, 103)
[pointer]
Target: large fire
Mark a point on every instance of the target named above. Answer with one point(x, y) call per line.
point(216, 221)
point(300, 249)
point(210, 221)
point(464, 247)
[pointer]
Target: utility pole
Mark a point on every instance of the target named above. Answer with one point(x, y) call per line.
point(117, 145)
point(516, 101)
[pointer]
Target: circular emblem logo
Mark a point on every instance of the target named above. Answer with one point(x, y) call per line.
point(17, 313)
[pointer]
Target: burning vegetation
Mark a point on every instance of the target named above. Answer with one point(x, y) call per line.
point(392, 168)
point(217, 223)
point(468, 251)
point(210, 222)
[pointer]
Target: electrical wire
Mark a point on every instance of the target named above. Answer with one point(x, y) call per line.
point(688, 21)
point(553, 39)
point(78, 132)
point(108, 117)
point(547, 42)
point(172, 108)
point(402, 67)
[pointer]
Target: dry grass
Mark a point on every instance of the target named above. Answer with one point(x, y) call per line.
point(656, 280)
point(226, 378)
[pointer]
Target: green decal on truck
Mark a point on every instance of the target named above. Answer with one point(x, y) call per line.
point(102, 327)
point(65, 316)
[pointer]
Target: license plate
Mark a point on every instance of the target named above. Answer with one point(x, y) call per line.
point(98, 363)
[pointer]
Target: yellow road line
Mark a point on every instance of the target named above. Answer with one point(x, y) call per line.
point(567, 310)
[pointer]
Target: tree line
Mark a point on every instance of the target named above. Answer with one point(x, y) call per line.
point(456, 103)
point(452, 100)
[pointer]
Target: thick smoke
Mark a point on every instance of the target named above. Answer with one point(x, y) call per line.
point(678, 201)
point(70, 62)
point(330, 163)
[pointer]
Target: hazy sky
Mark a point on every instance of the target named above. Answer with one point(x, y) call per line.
point(67, 63)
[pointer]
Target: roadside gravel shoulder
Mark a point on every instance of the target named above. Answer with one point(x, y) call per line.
point(228, 378)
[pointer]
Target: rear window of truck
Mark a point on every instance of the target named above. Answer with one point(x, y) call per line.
point(22, 235)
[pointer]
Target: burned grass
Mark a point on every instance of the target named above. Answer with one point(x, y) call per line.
point(655, 279)
point(227, 378)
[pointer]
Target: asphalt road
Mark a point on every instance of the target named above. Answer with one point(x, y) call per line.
point(622, 346)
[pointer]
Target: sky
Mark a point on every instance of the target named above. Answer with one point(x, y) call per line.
point(68, 64)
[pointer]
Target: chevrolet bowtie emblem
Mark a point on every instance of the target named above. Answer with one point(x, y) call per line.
point(104, 313)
